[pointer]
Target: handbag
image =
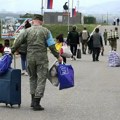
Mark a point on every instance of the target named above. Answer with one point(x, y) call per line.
point(65, 75)
point(65, 51)
point(52, 74)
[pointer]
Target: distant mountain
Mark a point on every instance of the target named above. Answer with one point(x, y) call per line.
point(103, 12)
point(10, 14)
point(108, 7)
point(108, 10)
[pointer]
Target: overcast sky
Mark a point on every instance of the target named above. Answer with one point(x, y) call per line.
point(35, 5)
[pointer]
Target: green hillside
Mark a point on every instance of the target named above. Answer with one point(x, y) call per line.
point(58, 29)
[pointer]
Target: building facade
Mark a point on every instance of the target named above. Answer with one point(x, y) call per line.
point(61, 18)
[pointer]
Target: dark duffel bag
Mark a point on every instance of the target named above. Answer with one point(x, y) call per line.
point(78, 53)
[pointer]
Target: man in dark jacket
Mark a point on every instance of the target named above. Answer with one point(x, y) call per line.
point(96, 44)
point(73, 40)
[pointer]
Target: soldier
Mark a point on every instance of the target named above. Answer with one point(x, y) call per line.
point(38, 38)
point(105, 36)
point(112, 37)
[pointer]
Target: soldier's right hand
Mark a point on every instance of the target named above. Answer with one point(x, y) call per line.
point(60, 59)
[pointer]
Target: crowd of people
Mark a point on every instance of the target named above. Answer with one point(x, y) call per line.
point(116, 21)
point(32, 44)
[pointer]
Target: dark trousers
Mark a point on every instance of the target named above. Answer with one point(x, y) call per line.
point(84, 46)
point(96, 53)
point(73, 48)
point(23, 61)
point(113, 44)
point(105, 41)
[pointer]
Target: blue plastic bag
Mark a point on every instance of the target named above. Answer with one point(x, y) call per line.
point(65, 76)
point(50, 40)
point(5, 63)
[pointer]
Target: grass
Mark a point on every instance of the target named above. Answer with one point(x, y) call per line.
point(57, 29)
point(60, 28)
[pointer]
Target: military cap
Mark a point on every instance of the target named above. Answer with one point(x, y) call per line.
point(37, 17)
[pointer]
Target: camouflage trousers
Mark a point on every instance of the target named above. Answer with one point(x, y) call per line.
point(113, 44)
point(38, 75)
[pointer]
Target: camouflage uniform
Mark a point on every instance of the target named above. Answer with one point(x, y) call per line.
point(112, 37)
point(37, 58)
point(105, 37)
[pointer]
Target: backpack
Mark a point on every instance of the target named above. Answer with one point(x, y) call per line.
point(5, 62)
point(85, 35)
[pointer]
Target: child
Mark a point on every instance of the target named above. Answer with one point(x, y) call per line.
point(7, 49)
point(60, 41)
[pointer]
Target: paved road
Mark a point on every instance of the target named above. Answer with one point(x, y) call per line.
point(96, 95)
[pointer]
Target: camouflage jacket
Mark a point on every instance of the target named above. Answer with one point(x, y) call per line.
point(35, 37)
point(112, 35)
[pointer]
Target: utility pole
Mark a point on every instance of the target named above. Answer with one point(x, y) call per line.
point(78, 5)
point(68, 15)
point(72, 4)
point(41, 7)
point(107, 18)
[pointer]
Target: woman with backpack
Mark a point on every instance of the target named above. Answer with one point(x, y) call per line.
point(84, 39)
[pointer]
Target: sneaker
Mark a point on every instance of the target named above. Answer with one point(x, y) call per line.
point(74, 58)
point(97, 60)
point(23, 72)
point(26, 74)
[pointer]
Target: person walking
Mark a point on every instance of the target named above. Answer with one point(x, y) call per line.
point(118, 20)
point(60, 42)
point(73, 41)
point(7, 49)
point(113, 37)
point(84, 39)
point(97, 44)
point(105, 37)
point(38, 38)
point(23, 52)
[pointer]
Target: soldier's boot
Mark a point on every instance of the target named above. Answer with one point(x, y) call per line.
point(37, 106)
point(32, 100)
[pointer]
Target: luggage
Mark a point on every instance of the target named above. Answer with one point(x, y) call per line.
point(113, 59)
point(10, 87)
point(52, 74)
point(79, 53)
point(65, 76)
point(65, 51)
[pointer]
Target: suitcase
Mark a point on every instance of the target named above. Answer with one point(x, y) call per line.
point(10, 87)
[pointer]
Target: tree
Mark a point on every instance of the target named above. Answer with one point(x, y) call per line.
point(27, 15)
point(89, 20)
